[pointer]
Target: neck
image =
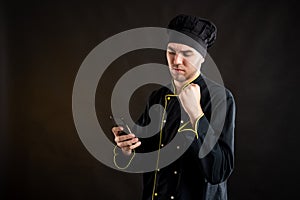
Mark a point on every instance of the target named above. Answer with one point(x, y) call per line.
point(180, 85)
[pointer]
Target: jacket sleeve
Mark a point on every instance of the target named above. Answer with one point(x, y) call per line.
point(218, 164)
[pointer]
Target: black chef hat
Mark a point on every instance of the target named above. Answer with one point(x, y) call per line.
point(201, 30)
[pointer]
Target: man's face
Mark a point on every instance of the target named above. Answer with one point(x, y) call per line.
point(184, 61)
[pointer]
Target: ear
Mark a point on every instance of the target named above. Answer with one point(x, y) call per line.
point(202, 60)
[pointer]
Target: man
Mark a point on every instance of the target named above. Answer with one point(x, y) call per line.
point(190, 110)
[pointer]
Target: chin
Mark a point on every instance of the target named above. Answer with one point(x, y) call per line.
point(180, 78)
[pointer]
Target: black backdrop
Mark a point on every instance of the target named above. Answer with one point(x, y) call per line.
point(43, 44)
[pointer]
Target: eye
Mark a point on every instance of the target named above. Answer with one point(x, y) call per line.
point(171, 52)
point(187, 54)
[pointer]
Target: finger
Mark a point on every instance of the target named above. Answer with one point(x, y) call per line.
point(135, 145)
point(127, 143)
point(182, 95)
point(130, 142)
point(189, 85)
point(124, 137)
point(194, 85)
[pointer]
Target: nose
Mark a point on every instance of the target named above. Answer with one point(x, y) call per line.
point(177, 59)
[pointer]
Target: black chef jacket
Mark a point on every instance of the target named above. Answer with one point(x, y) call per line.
point(190, 177)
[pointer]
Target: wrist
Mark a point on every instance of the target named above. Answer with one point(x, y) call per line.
point(126, 152)
point(195, 116)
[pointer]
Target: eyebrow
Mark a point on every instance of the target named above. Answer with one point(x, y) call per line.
point(186, 51)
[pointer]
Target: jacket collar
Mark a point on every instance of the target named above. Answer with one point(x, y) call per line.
point(197, 80)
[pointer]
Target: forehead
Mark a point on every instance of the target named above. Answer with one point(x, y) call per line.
point(180, 47)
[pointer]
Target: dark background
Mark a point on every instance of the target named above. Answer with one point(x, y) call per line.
point(43, 44)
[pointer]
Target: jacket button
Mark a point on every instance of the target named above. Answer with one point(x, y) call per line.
point(181, 121)
point(172, 197)
point(155, 194)
point(168, 98)
point(164, 121)
point(178, 147)
point(175, 172)
point(162, 145)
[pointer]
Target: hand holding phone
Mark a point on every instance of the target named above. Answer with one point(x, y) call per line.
point(125, 139)
point(121, 122)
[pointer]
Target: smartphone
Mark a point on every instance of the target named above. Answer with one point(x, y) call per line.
point(121, 122)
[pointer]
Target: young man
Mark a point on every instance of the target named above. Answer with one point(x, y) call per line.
point(190, 176)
